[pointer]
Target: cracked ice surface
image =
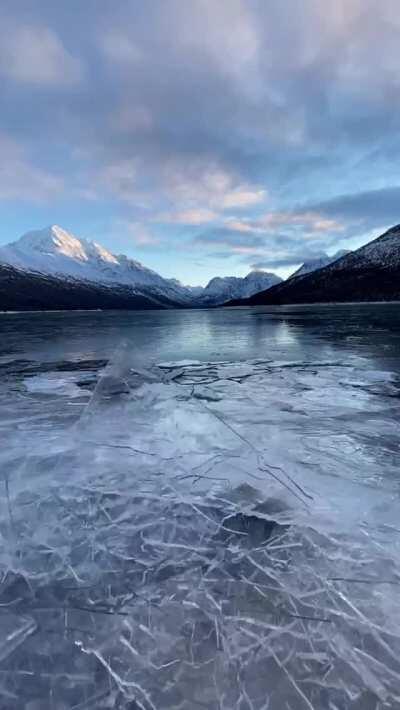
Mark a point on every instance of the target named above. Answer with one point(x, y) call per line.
point(208, 535)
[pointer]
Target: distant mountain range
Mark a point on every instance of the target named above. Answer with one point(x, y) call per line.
point(371, 273)
point(219, 290)
point(53, 269)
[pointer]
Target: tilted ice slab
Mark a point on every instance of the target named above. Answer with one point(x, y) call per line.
point(208, 535)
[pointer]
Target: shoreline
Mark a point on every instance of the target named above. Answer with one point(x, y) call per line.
point(146, 310)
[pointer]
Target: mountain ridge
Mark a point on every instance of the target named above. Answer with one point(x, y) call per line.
point(370, 273)
point(53, 253)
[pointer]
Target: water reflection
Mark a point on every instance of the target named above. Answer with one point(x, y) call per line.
point(296, 332)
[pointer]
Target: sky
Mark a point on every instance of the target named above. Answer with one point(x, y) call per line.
point(202, 137)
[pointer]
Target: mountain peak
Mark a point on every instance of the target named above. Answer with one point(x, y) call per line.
point(50, 241)
point(52, 231)
point(54, 241)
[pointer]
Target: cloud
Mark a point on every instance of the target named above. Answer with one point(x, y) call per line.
point(123, 233)
point(241, 198)
point(290, 261)
point(309, 221)
point(217, 201)
point(240, 225)
point(286, 252)
point(131, 119)
point(21, 180)
point(226, 237)
point(206, 185)
point(285, 133)
point(371, 206)
point(260, 265)
point(142, 236)
point(34, 54)
point(118, 46)
point(194, 193)
point(226, 33)
point(120, 178)
point(266, 249)
point(192, 217)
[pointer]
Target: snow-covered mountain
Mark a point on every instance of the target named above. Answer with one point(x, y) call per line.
point(219, 289)
point(318, 263)
point(370, 273)
point(55, 253)
point(383, 253)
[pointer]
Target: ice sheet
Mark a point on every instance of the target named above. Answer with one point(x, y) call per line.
point(209, 535)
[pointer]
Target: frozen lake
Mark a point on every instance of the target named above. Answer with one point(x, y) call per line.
point(200, 509)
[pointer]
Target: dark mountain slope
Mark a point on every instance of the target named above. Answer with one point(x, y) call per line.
point(26, 291)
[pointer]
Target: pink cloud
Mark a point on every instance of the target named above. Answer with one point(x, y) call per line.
point(193, 217)
point(310, 220)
